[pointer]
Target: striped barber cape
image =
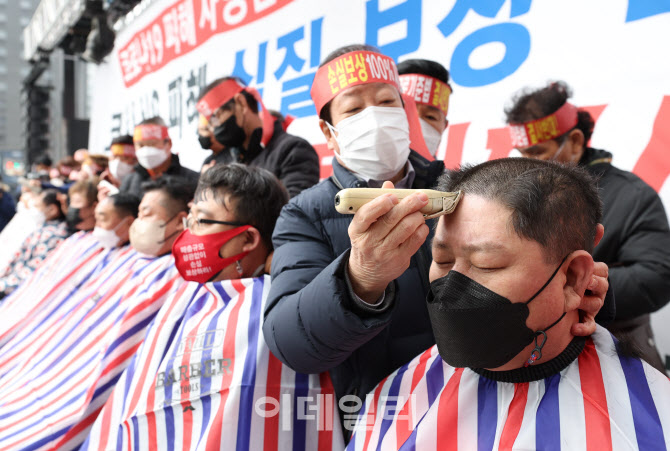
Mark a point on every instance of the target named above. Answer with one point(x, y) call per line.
point(600, 401)
point(204, 379)
point(55, 380)
point(61, 273)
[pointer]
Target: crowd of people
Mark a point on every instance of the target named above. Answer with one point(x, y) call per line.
point(145, 305)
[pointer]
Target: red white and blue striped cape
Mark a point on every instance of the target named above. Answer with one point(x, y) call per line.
point(601, 401)
point(55, 381)
point(59, 275)
point(205, 379)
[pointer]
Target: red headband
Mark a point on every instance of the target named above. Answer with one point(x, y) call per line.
point(352, 69)
point(122, 150)
point(426, 90)
point(150, 131)
point(223, 93)
point(544, 129)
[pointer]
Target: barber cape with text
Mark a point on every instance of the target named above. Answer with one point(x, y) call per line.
point(601, 401)
point(204, 379)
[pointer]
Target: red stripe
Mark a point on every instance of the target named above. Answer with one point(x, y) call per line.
point(105, 420)
point(405, 422)
point(325, 434)
point(272, 391)
point(214, 436)
point(598, 433)
point(514, 416)
point(447, 413)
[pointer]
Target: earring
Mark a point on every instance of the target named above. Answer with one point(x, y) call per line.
point(239, 267)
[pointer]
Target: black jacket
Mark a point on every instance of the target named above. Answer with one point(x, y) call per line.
point(636, 244)
point(292, 159)
point(133, 183)
point(312, 322)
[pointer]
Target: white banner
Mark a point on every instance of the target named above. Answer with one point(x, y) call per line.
point(610, 52)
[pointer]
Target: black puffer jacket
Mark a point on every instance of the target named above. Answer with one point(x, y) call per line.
point(636, 244)
point(133, 183)
point(312, 323)
point(292, 159)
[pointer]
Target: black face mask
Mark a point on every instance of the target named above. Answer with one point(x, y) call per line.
point(73, 218)
point(229, 134)
point(475, 327)
point(205, 142)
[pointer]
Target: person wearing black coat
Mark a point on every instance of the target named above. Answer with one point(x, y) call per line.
point(637, 236)
point(323, 313)
point(249, 134)
point(154, 157)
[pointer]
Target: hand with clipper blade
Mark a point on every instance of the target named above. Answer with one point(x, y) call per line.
point(386, 232)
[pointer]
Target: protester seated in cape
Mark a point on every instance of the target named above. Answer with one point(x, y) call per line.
point(37, 246)
point(58, 371)
point(203, 377)
point(510, 268)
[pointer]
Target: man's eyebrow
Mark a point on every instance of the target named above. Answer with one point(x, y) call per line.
point(486, 246)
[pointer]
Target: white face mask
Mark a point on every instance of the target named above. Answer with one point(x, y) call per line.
point(431, 136)
point(151, 157)
point(107, 238)
point(375, 142)
point(148, 237)
point(119, 169)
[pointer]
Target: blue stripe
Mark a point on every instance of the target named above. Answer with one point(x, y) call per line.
point(487, 413)
point(547, 418)
point(136, 434)
point(169, 427)
point(129, 333)
point(435, 380)
point(249, 373)
point(410, 443)
point(390, 402)
point(299, 424)
point(648, 429)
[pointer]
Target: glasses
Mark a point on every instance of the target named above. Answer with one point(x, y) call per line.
point(190, 221)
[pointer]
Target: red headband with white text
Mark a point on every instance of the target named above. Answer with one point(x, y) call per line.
point(222, 93)
point(544, 129)
point(146, 132)
point(426, 90)
point(352, 69)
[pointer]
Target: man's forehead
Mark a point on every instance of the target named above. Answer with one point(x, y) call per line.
point(477, 223)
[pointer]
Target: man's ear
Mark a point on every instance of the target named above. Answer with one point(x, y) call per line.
point(600, 231)
point(252, 239)
point(577, 143)
point(168, 145)
point(241, 102)
point(578, 275)
point(330, 138)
